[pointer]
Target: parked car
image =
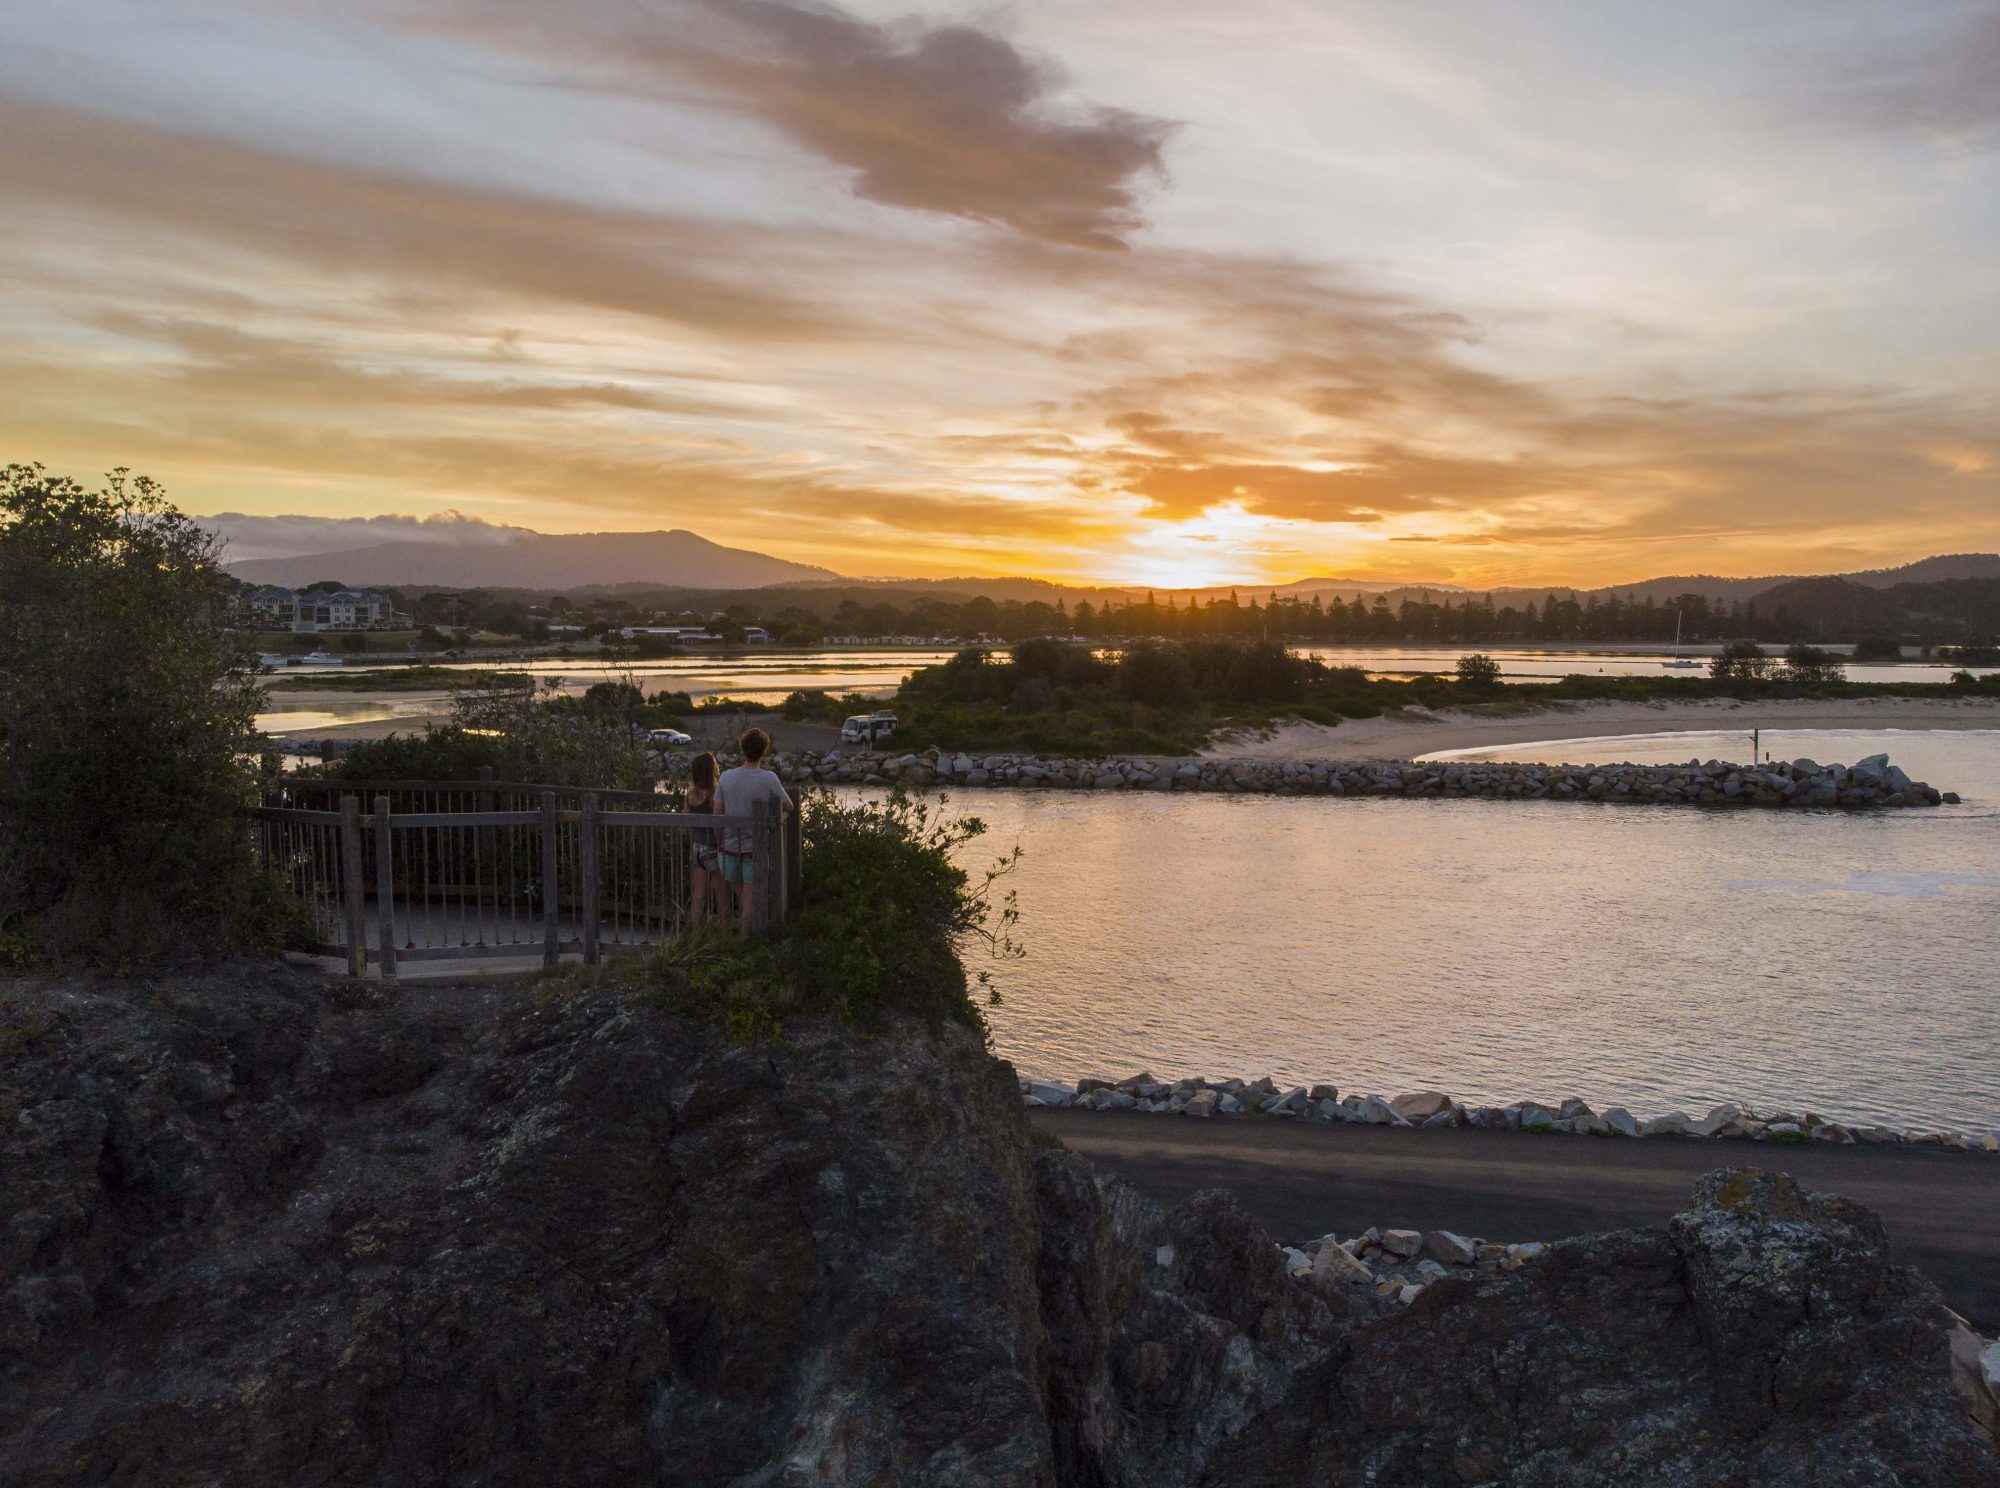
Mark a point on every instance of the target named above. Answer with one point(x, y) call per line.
point(669, 739)
point(868, 728)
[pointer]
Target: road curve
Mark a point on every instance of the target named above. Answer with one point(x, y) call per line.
point(1941, 1209)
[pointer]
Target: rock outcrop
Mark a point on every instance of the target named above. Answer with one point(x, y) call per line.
point(485, 1236)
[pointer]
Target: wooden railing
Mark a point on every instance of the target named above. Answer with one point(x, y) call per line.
point(492, 869)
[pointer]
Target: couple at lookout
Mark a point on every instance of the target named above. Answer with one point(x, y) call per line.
point(724, 864)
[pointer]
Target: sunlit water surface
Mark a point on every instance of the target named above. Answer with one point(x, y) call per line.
point(768, 676)
point(1655, 957)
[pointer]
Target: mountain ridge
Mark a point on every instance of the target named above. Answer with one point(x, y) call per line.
point(670, 557)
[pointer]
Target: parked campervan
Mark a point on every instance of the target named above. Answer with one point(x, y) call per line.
point(868, 728)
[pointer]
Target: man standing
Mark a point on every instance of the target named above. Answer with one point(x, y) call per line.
point(737, 794)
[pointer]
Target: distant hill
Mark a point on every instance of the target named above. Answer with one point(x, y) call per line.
point(537, 560)
point(1843, 608)
point(1932, 570)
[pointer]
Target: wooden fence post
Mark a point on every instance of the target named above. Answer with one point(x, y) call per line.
point(551, 900)
point(767, 881)
point(586, 857)
point(352, 889)
point(385, 885)
point(795, 861)
point(484, 800)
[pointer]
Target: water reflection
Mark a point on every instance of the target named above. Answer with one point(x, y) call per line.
point(1655, 957)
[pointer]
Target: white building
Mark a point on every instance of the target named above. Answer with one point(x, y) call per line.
point(275, 608)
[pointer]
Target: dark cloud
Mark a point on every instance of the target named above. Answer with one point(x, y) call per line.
point(943, 118)
point(1947, 89)
point(936, 117)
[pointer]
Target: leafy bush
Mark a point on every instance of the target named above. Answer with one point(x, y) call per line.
point(1478, 671)
point(448, 753)
point(126, 713)
point(886, 918)
point(1740, 661)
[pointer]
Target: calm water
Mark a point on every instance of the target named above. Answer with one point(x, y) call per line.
point(1656, 958)
point(767, 676)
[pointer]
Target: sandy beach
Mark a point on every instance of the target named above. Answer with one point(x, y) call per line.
point(1412, 732)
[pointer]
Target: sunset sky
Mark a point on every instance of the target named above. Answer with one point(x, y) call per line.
point(1151, 291)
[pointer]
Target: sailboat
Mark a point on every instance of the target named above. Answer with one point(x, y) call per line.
point(1680, 662)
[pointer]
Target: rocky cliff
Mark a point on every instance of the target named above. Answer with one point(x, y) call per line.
point(486, 1236)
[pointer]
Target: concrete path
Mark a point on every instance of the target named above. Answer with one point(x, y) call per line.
point(1941, 1209)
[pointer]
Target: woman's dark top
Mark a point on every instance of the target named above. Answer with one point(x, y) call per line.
point(704, 836)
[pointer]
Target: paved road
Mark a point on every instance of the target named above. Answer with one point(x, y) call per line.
point(1941, 1209)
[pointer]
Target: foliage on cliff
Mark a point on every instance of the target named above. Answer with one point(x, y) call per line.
point(125, 719)
point(889, 918)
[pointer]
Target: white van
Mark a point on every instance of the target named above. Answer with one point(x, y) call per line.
point(868, 728)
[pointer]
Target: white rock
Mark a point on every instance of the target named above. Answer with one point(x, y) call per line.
point(1452, 1249)
point(1049, 1095)
point(1297, 1262)
point(1201, 1103)
point(1673, 1124)
point(1519, 1255)
point(1420, 1105)
point(1402, 1243)
point(1409, 1294)
point(1164, 1256)
point(1378, 1112)
point(1429, 1270)
point(1334, 1263)
point(1620, 1120)
point(1033, 1100)
point(1229, 1105)
point(1446, 1117)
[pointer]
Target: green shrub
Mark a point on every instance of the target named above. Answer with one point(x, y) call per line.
point(1478, 671)
point(886, 917)
point(126, 713)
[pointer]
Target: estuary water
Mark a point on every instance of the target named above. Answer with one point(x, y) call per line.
point(1651, 957)
point(762, 675)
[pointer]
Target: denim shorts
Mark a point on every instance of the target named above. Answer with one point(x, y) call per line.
point(736, 868)
point(705, 857)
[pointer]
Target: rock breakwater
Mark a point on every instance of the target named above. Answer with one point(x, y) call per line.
point(1266, 1097)
point(1871, 782)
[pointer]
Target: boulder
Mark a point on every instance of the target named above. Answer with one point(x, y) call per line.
point(1202, 1103)
point(1420, 1105)
point(1673, 1124)
point(1334, 1265)
point(1229, 1105)
point(1402, 1244)
point(1048, 1094)
point(1620, 1120)
point(1378, 1112)
point(1452, 1249)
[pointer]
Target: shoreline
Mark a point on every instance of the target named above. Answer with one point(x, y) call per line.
point(1420, 734)
point(1410, 733)
point(1324, 1104)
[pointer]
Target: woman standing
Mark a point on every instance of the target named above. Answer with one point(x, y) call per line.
point(707, 869)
